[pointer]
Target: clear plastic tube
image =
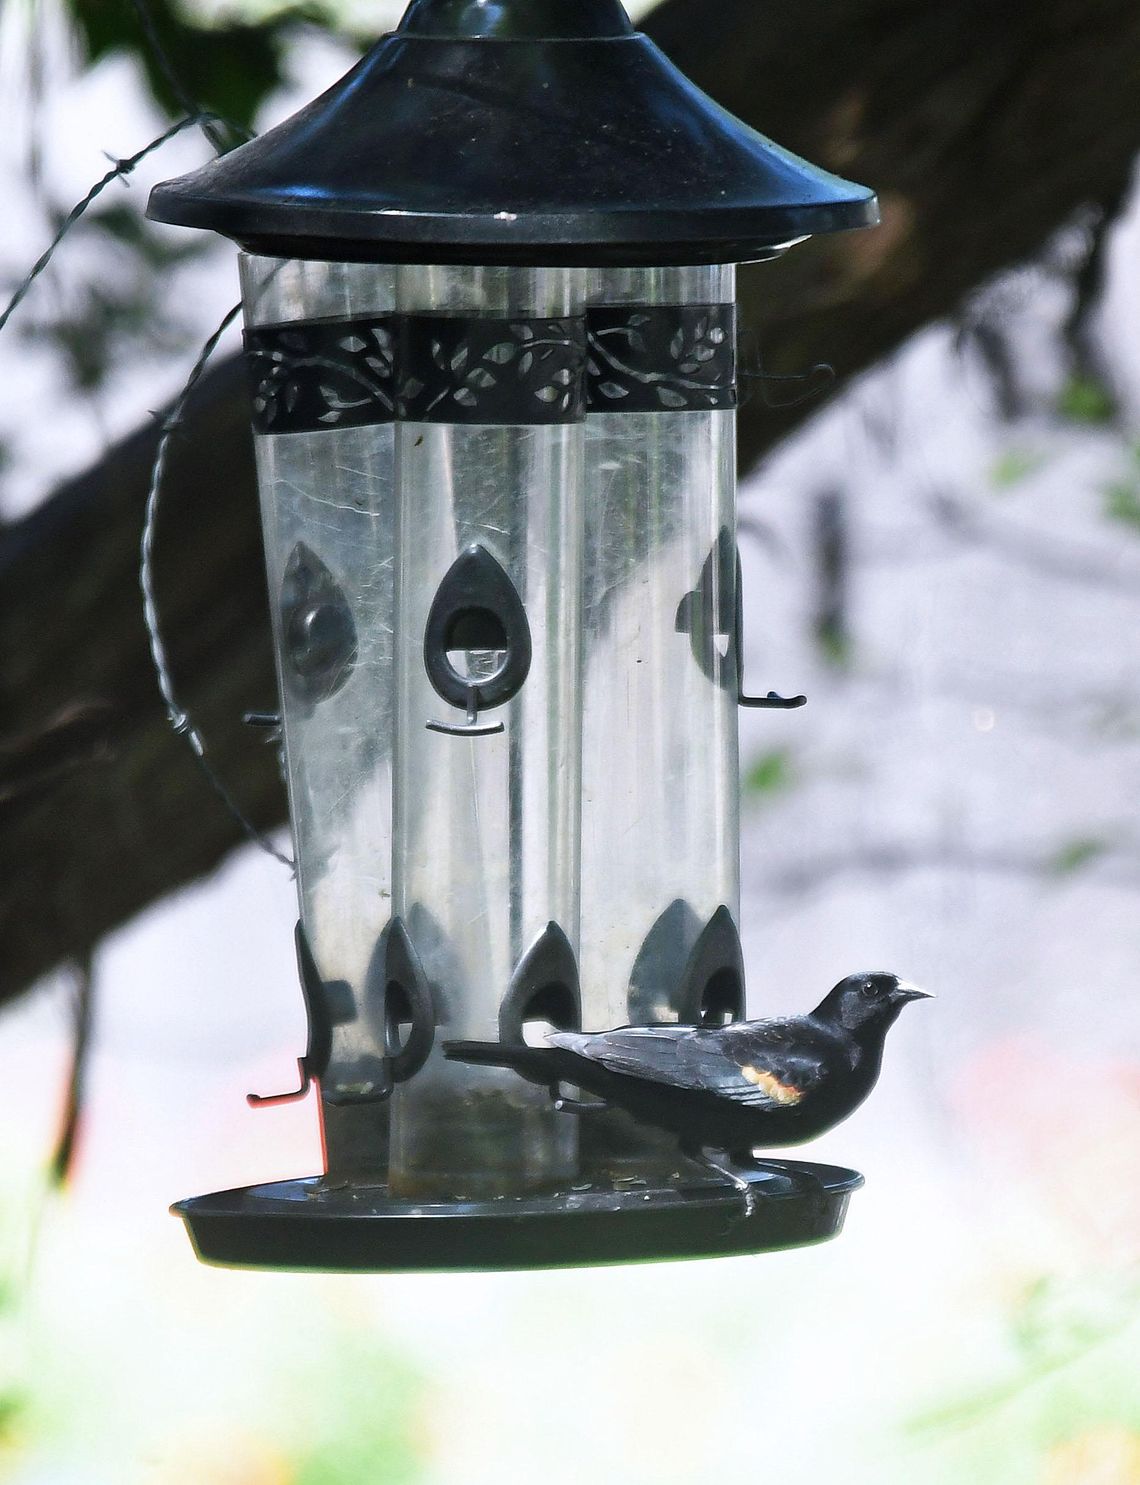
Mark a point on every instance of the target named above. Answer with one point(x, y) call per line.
point(660, 819)
point(328, 508)
point(606, 808)
point(486, 830)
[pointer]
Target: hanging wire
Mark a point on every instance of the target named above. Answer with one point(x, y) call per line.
point(177, 715)
point(62, 1158)
point(206, 122)
point(121, 169)
point(179, 719)
point(813, 380)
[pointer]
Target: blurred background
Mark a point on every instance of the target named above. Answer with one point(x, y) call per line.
point(941, 548)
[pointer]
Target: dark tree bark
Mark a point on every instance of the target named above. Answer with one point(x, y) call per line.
point(102, 808)
point(983, 126)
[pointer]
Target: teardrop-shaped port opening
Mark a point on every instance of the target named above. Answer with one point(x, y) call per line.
point(544, 993)
point(477, 644)
point(712, 991)
point(401, 1006)
point(328, 1004)
point(318, 632)
point(655, 979)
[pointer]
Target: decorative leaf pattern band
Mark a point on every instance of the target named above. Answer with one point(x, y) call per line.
point(491, 371)
point(322, 374)
point(661, 358)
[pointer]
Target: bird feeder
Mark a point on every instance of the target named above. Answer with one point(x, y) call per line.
point(489, 293)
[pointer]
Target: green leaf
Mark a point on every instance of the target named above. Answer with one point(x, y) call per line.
point(1086, 400)
point(1076, 854)
point(769, 774)
point(12, 1404)
point(1013, 466)
point(367, 1430)
point(229, 69)
point(1122, 503)
point(835, 644)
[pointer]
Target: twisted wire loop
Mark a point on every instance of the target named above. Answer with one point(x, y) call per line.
point(61, 1161)
point(177, 715)
point(210, 124)
point(180, 720)
point(119, 171)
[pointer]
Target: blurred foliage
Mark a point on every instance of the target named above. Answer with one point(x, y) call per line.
point(12, 1404)
point(114, 304)
point(1122, 502)
point(226, 65)
point(1084, 399)
point(1054, 1322)
point(1076, 853)
point(229, 68)
point(121, 224)
point(369, 1425)
point(13, 1401)
point(126, 303)
point(834, 643)
point(770, 774)
point(1122, 496)
point(334, 1405)
point(1098, 1456)
point(1069, 1382)
point(1014, 465)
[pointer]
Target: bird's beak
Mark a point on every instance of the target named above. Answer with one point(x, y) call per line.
point(904, 992)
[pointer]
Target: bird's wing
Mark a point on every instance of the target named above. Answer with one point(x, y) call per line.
point(768, 1064)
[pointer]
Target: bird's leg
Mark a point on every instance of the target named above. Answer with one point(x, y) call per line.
point(702, 1157)
point(803, 1181)
point(574, 1105)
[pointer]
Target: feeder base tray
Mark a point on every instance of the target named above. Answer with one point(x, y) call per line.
point(323, 1224)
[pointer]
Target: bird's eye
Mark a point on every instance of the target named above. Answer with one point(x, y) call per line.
point(868, 989)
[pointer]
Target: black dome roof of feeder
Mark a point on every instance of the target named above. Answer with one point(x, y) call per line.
point(514, 131)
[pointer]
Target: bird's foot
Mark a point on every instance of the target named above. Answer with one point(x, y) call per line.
point(803, 1182)
point(744, 1186)
point(749, 1195)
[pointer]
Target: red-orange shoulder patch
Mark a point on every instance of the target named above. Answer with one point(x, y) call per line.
point(770, 1084)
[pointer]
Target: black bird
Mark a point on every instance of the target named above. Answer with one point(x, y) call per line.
point(733, 1088)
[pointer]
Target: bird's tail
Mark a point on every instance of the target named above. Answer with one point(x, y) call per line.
point(535, 1063)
